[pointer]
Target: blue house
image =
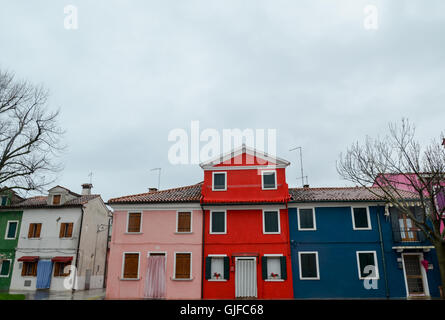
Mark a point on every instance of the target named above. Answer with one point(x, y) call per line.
point(346, 243)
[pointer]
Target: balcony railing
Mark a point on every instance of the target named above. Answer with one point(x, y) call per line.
point(408, 235)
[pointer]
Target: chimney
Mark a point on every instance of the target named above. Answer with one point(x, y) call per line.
point(306, 186)
point(86, 189)
point(152, 189)
point(443, 142)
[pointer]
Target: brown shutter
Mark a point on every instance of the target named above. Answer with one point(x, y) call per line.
point(31, 230)
point(56, 269)
point(62, 230)
point(70, 230)
point(134, 222)
point(184, 222)
point(39, 227)
point(34, 269)
point(182, 266)
point(24, 269)
point(131, 265)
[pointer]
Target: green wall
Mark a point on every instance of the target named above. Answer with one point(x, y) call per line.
point(7, 247)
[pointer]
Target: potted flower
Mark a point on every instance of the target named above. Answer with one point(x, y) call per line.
point(216, 275)
point(274, 275)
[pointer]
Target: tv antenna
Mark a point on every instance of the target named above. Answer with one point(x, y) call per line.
point(159, 176)
point(301, 165)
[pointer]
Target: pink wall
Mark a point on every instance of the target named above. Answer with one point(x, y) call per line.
point(158, 235)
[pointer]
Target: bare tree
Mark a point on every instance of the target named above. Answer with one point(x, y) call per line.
point(387, 165)
point(29, 136)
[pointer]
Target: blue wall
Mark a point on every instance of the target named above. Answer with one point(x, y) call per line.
point(337, 242)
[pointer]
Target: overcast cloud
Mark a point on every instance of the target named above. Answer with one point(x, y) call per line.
point(134, 70)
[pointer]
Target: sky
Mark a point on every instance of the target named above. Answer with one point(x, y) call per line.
point(133, 71)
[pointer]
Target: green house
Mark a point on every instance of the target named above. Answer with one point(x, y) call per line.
point(10, 221)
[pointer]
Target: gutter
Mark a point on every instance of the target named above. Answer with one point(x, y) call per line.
point(78, 246)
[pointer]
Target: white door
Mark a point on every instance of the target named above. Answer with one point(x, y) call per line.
point(245, 278)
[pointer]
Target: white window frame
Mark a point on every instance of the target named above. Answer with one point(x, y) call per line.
point(225, 180)
point(191, 221)
point(262, 180)
point(218, 256)
point(313, 218)
point(377, 276)
point(140, 225)
point(367, 215)
point(123, 266)
point(174, 266)
point(225, 221)
point(316, 263)
point(274, 255)
point(9, 271)
point(7, 229)
point(279, 222)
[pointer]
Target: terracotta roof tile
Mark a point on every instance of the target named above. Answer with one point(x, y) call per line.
point(183, 194)
point(341, 194)
point(40, 202)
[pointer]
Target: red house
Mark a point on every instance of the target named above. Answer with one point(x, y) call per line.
point(246, 231)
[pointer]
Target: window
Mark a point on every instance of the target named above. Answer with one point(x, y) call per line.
point(134, 222)
point(219, 181)
point(218, 222)
point(271, 222)
point(59, 269)
point(29, 269)
point(308, 263)
point(131, 266)
point(408, 231)
point(360, 219)
point(4, 268)
point(184, 222)
point(217, 268)
point(269, 180)
point(183, 265)
point(56, 199)
point(11, 230)
point(66, 230)
point(306, 219)
point(367, 265)
point(274, 267)
point(34, 230)
point(4, 200)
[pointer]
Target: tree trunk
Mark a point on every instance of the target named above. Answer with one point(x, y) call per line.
point(440, 251)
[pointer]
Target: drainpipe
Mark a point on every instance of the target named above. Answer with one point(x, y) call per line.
point(383, 256)
point(202, 249)
point(106, 255)
point(78, 246)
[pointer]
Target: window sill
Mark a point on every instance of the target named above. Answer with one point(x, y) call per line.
point(271, 232)
point(7, 276)
point(188, 232)
point(10, 238)
point(274, 280)
point(65, 238)
point(130, 279)
point(134, 233)
point(34, 238)
point(29, 276)
point(217, 280)
point(309, 278)
point(307, 229)
point(181, 279)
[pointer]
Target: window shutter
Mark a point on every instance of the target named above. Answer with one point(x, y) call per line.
point(283, 268)
point(62, 230)
point(39, 227)
point(131, 265)
point(264, 267)
point(34, 269)
point(57, 269)
point(184, 222)
point(226, 268)
point(70, 230)
point(30, 231)
point(134, 222)
point(208, 274)
point(182, 266)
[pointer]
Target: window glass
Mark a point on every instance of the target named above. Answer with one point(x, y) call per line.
point(12, 228)
point(271, 221)
point(217, 268)
point(218, 221)
point(219, 181)
point(365, 259)
point(361, 218)
point(269, 180)
point(306, 219)
point(308, 262)
point(273, 268)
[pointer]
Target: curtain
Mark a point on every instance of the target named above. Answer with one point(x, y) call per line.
point(44, 271)
point(155, 279)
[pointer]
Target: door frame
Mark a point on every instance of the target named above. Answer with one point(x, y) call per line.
point(149, 253)
point(255, 273)
point(422, 271)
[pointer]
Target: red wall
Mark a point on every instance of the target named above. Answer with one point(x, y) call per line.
point(245, 234)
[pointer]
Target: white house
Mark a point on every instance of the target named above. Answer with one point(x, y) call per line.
point(63, 241)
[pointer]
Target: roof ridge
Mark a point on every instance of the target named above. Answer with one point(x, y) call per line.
point(156, 192)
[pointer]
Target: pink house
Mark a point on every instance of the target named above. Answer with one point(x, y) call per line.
point(156, 245)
